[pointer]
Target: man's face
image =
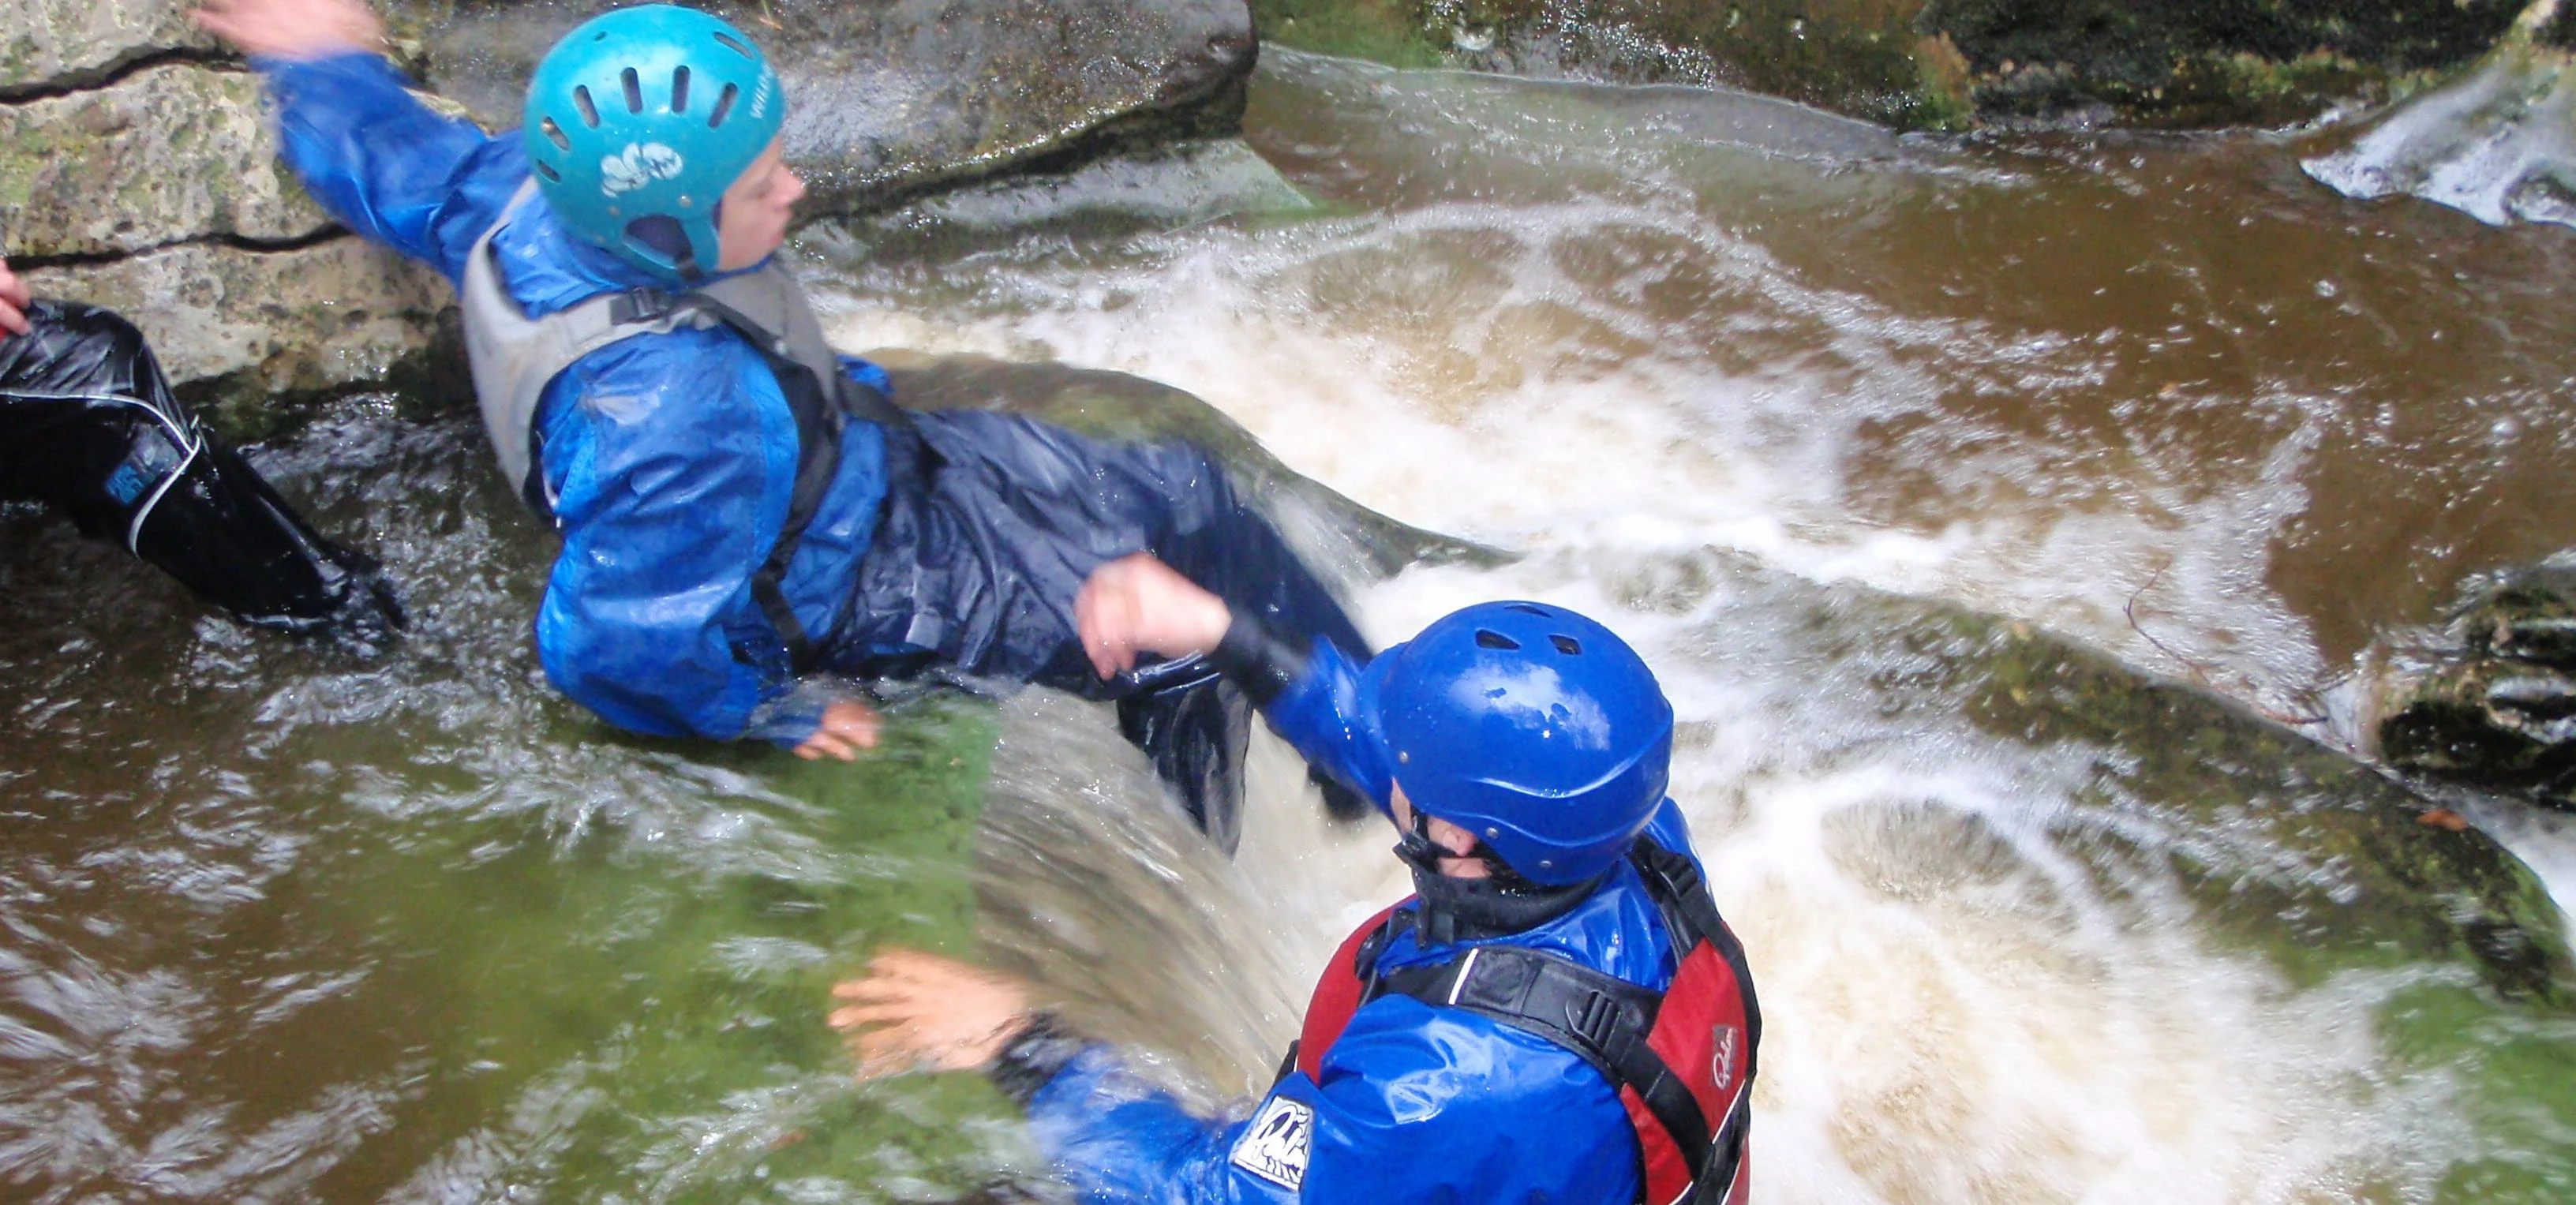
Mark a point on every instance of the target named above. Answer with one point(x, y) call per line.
point(1445, 835)
point(757, 210)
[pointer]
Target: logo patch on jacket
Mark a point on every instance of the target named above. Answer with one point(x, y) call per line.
point(1721, 1044)
point(1274, 1146)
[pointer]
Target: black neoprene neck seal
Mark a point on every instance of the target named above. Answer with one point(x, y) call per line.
point(1500, 904)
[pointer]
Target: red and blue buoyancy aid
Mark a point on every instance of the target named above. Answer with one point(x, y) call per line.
point(1682, 1058)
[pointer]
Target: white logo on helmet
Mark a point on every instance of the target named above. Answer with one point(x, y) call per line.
point(640, 164)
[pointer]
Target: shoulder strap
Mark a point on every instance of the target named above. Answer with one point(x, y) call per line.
point(514, 357)
point(1674, 881)
point(1603, 1018)
point(769, 308)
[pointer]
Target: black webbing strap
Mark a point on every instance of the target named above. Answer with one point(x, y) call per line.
point(1673, 880)
point(1603, 1018)
point(846, 395)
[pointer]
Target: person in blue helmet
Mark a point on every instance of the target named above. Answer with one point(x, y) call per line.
point(1558, 1014)
point(746, 520)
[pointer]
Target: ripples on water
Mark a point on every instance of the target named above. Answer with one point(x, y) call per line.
point(278, 922)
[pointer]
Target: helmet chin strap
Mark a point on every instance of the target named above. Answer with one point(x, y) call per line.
point(1458, 909)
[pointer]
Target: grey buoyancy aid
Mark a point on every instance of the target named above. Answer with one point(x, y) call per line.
point(514, 357)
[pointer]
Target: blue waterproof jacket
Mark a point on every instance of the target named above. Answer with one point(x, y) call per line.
point(672, 457)
point(1415, 1103)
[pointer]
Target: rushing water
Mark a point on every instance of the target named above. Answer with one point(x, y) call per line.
point(280, 922)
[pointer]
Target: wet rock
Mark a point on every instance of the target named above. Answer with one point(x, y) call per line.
point(243, 325)
point(2499, 707)
point(2498, 144)
point(51, 45)
point(2283, 846)
point(1939, 63)
point(890, 101)
point(171, 154)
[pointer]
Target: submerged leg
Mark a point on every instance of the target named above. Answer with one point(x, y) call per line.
point(88, 426)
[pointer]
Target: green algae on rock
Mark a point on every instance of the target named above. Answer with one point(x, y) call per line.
point(1938, 63)
point(2299, 852)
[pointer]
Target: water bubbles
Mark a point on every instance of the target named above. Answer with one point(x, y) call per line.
point(2327, 289)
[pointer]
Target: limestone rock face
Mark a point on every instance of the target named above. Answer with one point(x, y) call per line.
point(137, 172)
point(57, 44)
point(171, 154)
point(257, 323)
point(888, 101)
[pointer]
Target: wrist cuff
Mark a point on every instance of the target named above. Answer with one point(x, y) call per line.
point(1035, 1054)
point(1257, 660)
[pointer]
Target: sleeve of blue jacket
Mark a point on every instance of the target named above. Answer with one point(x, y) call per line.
point(1413, 1106)
point(383, 163)
point(1319, 715)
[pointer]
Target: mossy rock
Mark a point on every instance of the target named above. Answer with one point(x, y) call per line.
point(2292, 849)
point(1942, 63)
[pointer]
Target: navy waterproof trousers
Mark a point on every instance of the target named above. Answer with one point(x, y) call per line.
point(992, 524)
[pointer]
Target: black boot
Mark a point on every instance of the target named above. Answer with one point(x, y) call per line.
point(1196, 726)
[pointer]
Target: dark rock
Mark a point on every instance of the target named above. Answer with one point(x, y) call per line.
point(891, 101)
point(1940, 63)
point(2499, 708)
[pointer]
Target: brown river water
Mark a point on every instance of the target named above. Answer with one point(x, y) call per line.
point(282, 922)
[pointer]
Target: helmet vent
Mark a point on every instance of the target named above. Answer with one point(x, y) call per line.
point(680, 90)
point(737, 47)
point(634, 90)
point(1567, 645)
point(589, 111)
point(724, 106)
point(554, 134)
point(551, 175)
point(1488, 639)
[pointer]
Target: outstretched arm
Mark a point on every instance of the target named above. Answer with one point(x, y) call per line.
point(1137, 605)
point(1394, 1118)
point(383, 163)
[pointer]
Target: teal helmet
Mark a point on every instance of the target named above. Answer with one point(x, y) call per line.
point(638, 121)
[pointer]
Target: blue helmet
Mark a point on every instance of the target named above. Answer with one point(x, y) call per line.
point(1530, 726)
point(637, 122)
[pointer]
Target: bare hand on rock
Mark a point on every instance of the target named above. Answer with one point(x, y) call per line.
point(922, 1012)
point(293, 29)
point(1137, 604)
point(848, 726)
point(14, 300)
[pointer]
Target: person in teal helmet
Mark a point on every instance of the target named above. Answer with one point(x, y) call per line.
point(748, 522)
